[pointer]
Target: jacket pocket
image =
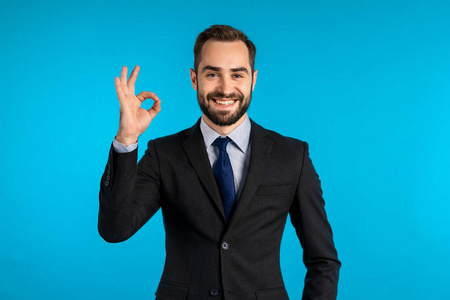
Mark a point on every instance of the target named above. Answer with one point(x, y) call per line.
point(272, 294)
point(274, 190)
point(171, 291)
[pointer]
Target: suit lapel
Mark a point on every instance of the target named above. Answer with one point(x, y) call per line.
point(194, 145)
point(259, 156)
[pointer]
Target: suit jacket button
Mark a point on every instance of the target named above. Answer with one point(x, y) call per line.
point(214, 292)
point(225, 246)
point(106, 183)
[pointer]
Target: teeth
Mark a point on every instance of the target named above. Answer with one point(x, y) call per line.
point(224, 102)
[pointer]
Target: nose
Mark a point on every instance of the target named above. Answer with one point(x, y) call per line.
point(226, 85)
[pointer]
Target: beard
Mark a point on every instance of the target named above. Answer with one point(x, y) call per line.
point(223, 118)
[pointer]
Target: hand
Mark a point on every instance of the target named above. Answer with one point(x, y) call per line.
point(134, 120)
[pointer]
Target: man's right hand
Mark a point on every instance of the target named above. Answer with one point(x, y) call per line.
point(134, 120)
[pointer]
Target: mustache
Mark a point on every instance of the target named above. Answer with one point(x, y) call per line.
point(217, 94)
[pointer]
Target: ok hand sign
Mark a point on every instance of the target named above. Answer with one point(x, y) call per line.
point(134, 120)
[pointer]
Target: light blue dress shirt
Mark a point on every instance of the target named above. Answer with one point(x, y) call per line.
point(238, 150)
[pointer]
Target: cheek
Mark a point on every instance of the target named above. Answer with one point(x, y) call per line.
point(203, 85)
point(244, 88)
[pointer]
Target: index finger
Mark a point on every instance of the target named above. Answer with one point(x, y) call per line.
point(147, 95)
point(132, 79)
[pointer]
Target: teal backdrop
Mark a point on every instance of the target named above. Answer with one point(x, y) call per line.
point(365, 83)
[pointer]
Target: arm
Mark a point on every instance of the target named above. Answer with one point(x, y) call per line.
point(310, 221)
point(129, 194)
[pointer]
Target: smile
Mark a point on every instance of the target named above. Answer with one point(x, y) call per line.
point(224, 101)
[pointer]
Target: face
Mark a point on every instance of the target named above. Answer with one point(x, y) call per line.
point(224, 82)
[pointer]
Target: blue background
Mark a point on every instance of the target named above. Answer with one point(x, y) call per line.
point(365, 83)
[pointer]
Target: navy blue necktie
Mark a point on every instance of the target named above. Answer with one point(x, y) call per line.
point(224, 176)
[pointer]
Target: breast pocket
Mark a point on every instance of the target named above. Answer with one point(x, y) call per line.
point(171, 291)
point(278, 190)
point(272, 201)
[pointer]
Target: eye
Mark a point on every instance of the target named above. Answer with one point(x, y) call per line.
point(211, 75)
point(237, 76)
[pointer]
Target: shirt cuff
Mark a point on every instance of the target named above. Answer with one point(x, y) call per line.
point(121, 148)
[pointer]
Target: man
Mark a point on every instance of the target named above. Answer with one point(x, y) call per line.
point(225, 186)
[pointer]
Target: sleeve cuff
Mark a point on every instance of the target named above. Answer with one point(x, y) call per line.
point(121, 148)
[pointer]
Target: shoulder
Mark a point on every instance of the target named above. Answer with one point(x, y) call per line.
point(285, 153)
point(174, 144)
point(278, 139)
point(174, 138)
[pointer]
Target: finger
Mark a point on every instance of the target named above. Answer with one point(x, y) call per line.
point(119, 91)
point(123, 79)
point(147, 95)
point(156, 108)
point(132, 79)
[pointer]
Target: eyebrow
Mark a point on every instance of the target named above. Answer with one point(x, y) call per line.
point(217, 69)
point(241, 69)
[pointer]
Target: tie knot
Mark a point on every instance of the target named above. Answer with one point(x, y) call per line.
point(221, 143)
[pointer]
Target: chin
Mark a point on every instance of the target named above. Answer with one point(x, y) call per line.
point(227, 119)
point(223, 117)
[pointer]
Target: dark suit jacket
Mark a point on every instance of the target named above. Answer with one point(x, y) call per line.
point(206, 256)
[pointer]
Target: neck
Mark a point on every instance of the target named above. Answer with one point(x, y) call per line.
point(224, 130)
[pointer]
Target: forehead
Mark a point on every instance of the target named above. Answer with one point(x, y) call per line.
point(226, 55)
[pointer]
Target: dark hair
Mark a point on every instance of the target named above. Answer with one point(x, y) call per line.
point(223, 33)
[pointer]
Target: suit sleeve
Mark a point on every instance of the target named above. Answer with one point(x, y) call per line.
point(311, 224)
point(129, 193)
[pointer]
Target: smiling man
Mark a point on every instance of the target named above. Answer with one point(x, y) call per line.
point(225, 186)
point(224, 83)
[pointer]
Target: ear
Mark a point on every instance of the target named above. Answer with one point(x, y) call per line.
point(193, 79)
point(255, 74)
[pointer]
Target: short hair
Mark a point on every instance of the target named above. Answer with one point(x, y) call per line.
point(222, 33)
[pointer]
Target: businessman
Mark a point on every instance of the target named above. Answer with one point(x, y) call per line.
point(225, 186)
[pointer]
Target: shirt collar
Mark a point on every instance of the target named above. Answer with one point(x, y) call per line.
point(240, 135)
